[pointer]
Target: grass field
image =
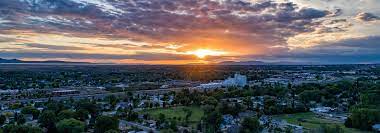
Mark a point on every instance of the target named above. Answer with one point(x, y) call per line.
point(310, 121)
point(177, 112)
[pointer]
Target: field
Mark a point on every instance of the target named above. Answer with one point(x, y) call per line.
point(178, 113)
point(310, 121)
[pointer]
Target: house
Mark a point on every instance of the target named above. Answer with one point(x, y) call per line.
point(122, 125)
point(28, 117)
point(104, 105)
point(229, 124)
point(122, 105)
point(376, 128)
point(151, 123)
point(109, 113)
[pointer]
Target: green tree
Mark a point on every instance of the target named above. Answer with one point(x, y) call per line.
point(2, 119)
point(70, 126)
point(66, 114)
point(330, 129)
point(212, 121)
point(105, 123)
point(161, 119)
point(20, 119)
point(112, 131)
point(112, 100)
point(81, 114)
point(211, 101)
point(310, 95)
point(47, 119)
point(188, 114)
point(30, 110)
point(132, 116)
point(248, 102)
point(250, 125)
point(363, 118)
point(21, 129)
point(55, 106)
point(173, 125)
point(91, 107)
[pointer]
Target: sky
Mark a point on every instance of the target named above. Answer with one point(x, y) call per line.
point(191, 31)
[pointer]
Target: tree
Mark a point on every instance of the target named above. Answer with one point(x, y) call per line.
point(89, 106)
point(293, 94)
point(31, 110)
point(173, 125)
point(112, 131)
point(363, 118)
point(81, 114)
point(310, 95)
point(211, 101)
point(55, 106)
point(330, 129)
point(47, 119)
point(105, 123)
point(112, 99)
point(2, 119)
point(70, 126)
point(132, 116)
point(21, 129)
point(20, 119)
point(161, 119)
point(250, 125)
point(212, 121)
point(188, 114)
point(233, 109)
point(66, 114)
point(248, 102)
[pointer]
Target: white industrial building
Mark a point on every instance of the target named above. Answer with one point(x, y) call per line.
point(236, 81)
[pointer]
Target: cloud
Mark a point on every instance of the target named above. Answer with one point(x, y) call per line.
point(353, 50)
point(240, 27)
point(138, 56)
point(363, 16)
point(52, 47)
point(164, 20)
point(6, 39)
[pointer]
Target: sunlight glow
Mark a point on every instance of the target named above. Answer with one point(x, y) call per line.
point(202, 53)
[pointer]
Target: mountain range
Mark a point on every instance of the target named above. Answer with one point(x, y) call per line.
point(21, 61)
point(262, 63)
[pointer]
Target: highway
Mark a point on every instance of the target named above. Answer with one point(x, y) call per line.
point(95, 96)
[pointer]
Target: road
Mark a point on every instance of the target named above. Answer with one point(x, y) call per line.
point(95, 96)
point(140, 126)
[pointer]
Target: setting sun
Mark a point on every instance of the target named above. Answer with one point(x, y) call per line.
point(202, 53)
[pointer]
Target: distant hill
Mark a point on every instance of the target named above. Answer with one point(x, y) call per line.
point(242, 63)
point(261, 63)
point(21, 61)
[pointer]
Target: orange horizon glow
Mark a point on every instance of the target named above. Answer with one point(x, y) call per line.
point(202, 53)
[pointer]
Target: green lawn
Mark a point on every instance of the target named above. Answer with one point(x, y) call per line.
point(310, 121)
point(177, 112)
